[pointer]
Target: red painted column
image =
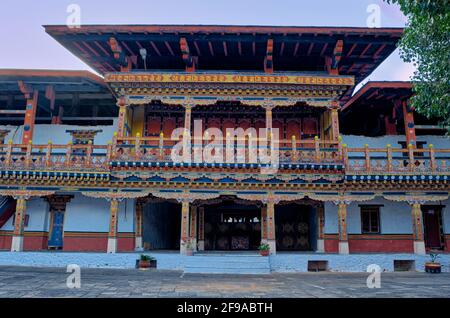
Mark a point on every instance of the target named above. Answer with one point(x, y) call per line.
point(30, 117)
point(410, 128)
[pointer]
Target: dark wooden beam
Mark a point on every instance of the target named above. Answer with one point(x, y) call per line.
point(324, 48)
point(363, 53)
point(197, 48)
point(297, 45)
point(169, 48)
point(211, 49)
point(225, 49)
point(155, 48)
point(378, 52)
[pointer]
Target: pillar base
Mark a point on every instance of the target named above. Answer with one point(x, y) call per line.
point(343, 248)
point(112, 245)
point(138, 247)
point(320, 246)
point(201, 245)
point(182, 248)
point(419, 248)
point(273, 246)
point(17, 243)
point(194, 244)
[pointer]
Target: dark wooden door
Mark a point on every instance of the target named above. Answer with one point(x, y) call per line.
point(432, 227)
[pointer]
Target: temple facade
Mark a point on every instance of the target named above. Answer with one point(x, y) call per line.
point(220, 138)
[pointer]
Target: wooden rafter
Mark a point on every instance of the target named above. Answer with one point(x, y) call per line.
point(155, 48)
point(363, 53)
point(297, 45)
point(169, 48)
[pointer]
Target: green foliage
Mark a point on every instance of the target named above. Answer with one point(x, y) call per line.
point(426, 44)
point(264, 247)
point(147, 258)
point(434, 257)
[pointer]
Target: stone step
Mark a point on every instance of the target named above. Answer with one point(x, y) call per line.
point(240, 271)
point(234, 264)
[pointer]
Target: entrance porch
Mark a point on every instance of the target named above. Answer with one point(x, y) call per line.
point(230, 224)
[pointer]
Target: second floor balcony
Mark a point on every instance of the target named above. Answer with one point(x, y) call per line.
point(157, 153)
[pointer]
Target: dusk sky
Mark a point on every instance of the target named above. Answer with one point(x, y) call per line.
point(26, 45)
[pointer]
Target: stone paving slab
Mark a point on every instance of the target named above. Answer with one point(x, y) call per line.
point(30, 282)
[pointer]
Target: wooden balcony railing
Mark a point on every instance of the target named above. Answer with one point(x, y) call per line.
point(158, 149)
point(394, 160)
point(55, 157)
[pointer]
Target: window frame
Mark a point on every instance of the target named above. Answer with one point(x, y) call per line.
point(378, 214)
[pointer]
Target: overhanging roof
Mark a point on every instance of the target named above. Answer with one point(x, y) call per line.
point(237, 48)
point(62, 81)
point(377, 92)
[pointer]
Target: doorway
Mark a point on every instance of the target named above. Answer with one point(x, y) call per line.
point(433, 229)
point(161, 226)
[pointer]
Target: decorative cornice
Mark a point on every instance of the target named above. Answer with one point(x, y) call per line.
point(416, 198)
point(25, 194)
point(120, 195)
point(234, 78)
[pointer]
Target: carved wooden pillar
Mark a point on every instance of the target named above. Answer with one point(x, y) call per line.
point(335, 121)
point(112, 235)
point(417, 223)
point(193, 226)
point(184, 226)
point(122, 117)
point(188, 117)
point(269, 117)
point(271, 227)
point(201, 228)
point(342, 226)
point(19, 218)
point(138, 244)
point(264, 224)
point(320, 225)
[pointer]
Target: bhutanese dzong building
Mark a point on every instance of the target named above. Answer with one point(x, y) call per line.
point(85, 161)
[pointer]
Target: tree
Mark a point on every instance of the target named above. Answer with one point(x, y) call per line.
point(426, 44)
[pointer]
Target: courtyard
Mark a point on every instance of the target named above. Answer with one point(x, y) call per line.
point(32, 282)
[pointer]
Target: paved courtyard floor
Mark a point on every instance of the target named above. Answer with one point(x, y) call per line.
point(51, 282)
